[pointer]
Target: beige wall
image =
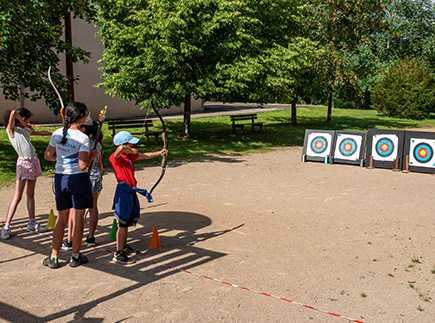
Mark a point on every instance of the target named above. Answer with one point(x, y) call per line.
point(83, 35)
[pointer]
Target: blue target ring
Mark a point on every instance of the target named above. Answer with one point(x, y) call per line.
point(423, 153)
point(319, 144)
point(348, 147)
point(384, 147)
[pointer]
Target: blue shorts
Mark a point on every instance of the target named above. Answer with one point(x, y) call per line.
point(73, 191)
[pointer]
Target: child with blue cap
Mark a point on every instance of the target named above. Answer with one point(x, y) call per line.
point(125, 202)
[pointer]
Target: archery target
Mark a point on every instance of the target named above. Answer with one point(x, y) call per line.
point(421, 152)
point(319, 144)
point(385, 147)
point(348, 147)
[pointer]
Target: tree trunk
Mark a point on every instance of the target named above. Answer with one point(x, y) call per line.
point(294, 121)
point(187, 113)
point(328, 119)
point(69, 63)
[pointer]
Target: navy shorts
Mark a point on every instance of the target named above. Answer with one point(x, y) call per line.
point(129, 223)
point(73, 191)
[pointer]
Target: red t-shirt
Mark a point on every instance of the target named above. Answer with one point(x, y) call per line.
point(124, 168)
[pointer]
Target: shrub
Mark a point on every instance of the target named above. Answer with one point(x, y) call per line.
point(406, 90)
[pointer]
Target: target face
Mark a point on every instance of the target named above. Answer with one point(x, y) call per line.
point(319, 144)
point(384, 147)
point(348, 147)
point(421, 152)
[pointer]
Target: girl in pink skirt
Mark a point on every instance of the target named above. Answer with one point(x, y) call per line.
point(19, 129)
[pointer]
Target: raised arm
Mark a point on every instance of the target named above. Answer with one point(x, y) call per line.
point(11, 124)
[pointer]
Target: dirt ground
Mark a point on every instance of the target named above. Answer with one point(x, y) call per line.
point(342, 239)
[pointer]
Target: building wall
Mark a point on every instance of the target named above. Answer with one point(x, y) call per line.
point(83, 35)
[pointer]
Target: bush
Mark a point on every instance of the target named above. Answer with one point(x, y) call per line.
point(406, 90)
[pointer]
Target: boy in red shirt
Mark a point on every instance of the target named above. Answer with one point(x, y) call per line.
point(126, 203)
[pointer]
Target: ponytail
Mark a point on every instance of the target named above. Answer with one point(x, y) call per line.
point(73, 112)
point(65, 132)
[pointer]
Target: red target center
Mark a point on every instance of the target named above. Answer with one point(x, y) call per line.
point(385, 147)
point(423, 152)
point(347, 147)
point(319, 145)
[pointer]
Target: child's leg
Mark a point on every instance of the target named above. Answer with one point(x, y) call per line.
point(19, 189)
point(58, 231)
point(78, 222)
point(31, 183)
point(121, 238)
point(70, 225)
point(93, 216)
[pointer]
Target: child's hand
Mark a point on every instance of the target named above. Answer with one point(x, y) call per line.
point(134, 150)
point(163, 152)
point(32, 127)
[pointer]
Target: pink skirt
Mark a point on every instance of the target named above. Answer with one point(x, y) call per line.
point(28, 168)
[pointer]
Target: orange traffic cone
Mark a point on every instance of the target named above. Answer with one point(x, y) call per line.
point(51, 221)
point(155, 240)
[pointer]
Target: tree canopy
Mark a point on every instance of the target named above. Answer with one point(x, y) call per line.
point(31, 41)
point(214, 49)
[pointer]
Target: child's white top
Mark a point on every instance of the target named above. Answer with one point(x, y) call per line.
point(67, 156)
point(94, 170)
point(21, 142)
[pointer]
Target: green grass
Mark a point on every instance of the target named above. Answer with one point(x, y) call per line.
point(213, 136)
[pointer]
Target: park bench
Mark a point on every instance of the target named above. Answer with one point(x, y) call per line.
point(135, 127)
point(247, 120)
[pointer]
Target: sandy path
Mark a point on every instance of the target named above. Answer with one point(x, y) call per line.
point(344, 239)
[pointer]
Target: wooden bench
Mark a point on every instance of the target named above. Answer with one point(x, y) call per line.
point(245, 118)
point(133, 126)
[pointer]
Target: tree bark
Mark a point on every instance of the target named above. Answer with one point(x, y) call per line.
point(328, 119)
point(294, 121)
point(187, 113)
point(69, 63)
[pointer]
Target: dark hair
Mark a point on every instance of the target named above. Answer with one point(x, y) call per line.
point(90, 130)
point(23, 112)
point(73, 112)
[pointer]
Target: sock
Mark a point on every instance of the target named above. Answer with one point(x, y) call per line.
point(6, 226)
point(75, 255)
point(53, 257)
point(32, 221)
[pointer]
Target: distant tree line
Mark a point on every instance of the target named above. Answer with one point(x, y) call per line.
point(347, 53)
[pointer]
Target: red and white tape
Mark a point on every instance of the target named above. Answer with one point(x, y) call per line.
point(229, 284)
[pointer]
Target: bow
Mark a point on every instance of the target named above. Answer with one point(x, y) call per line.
point(165, 146)
point(62, 107)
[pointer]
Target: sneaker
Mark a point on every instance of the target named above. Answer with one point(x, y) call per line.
point(6, 234)
point(122, 258)
point(66, 245)
point(90, 242)
point(128, 250)
point(36, 228)
point(51, 262)
point(80, 260)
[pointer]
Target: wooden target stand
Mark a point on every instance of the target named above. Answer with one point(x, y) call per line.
point(396, 162)
point(412, 140)
point(385, 149)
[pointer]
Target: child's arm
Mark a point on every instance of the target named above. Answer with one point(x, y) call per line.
point(11, 124)
point(42, 133)
point(123, 149)
point(100, 163)
point(85, 158)
point(152, 155)
point(50, 153)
